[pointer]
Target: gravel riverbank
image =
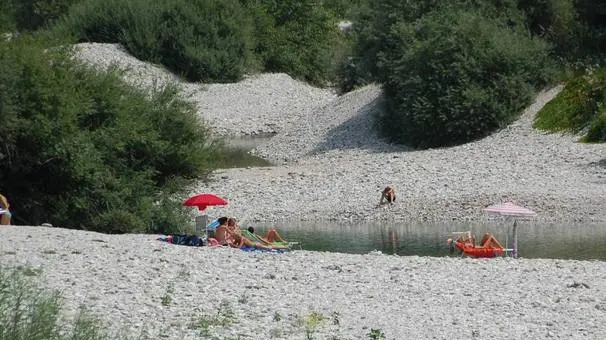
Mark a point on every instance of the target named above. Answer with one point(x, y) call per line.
point(139, 285)
point(331, 165)
point(334, 166)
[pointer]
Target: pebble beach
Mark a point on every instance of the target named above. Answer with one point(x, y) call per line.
point(144, 287)
point(329, 164)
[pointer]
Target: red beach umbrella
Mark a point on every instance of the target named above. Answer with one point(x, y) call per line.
point(204, 200)
point(512, 210)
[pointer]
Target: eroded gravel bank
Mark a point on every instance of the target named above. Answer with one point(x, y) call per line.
point(330, 164)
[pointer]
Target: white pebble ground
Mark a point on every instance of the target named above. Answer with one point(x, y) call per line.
point(330, 164)
point(142, 286)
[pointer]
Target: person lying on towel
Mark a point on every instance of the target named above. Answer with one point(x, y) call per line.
point(236, 240)
point(270, 237)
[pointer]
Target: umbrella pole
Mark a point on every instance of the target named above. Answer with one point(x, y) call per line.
point(515, 239)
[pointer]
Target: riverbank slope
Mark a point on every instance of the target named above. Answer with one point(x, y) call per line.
point(331, 165)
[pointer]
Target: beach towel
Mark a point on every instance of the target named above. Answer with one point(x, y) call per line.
point(250, 249)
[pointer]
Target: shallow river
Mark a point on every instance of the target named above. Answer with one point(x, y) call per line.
point(564, 241)
point(570, 241)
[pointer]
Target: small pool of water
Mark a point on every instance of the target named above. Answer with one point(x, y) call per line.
point(247, 142)
point(562, 241)
point(238, 152)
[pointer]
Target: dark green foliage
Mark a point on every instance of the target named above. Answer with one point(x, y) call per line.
point(592, 22)
point(556, 21)
point(216, 41)
point(578, 108)
point(203, 40)
point(7, 17)
point(296, 37)
point(375, 21)
point(29, 15)
point(455, 75)
point(83, 150)
point(344, 9)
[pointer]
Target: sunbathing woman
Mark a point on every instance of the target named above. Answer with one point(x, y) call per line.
point(270, 237)
point(236, 240)
point(222, 232)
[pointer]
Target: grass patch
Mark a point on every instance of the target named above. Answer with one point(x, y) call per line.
point(578, 108)
point(29, 313)
point(312, 322)
point(28, 272)
point(167, 298)
point(376, 334)
point(205, 322)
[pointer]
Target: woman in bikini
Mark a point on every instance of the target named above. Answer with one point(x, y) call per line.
point(270, 237)
point(236, 240)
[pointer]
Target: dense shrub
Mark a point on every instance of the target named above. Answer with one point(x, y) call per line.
point(29, 15)
point(578, 108)
point(296, 37)
point(201, 39)
point(455, 75)
point(34, 14)
point(216, 41)
point(375, 20)
point(83, 150)
point(7, 17)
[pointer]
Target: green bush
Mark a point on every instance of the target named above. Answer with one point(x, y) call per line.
point(30, 15)
point(559, 22)
point(578, 108)
point(7, 17)
point(296, 37)
point(456, 75)
point(84, 150)
point(216, 41)
point(203, 40)
point(35, 14)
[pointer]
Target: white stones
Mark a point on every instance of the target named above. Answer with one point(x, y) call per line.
point(323, 134)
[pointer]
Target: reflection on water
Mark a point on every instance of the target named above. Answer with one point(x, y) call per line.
point(570, 241)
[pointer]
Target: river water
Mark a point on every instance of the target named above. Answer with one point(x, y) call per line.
point(560, 241)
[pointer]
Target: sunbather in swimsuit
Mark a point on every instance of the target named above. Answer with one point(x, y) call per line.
point(270, 237)
point(240, 241)
point(222, 234)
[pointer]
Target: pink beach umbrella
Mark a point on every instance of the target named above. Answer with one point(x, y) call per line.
point(513, 210)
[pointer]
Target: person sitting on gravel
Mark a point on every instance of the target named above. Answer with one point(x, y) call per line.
point(233, 225)
point(222, 234)
point(388, 194)
point(489, 241)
